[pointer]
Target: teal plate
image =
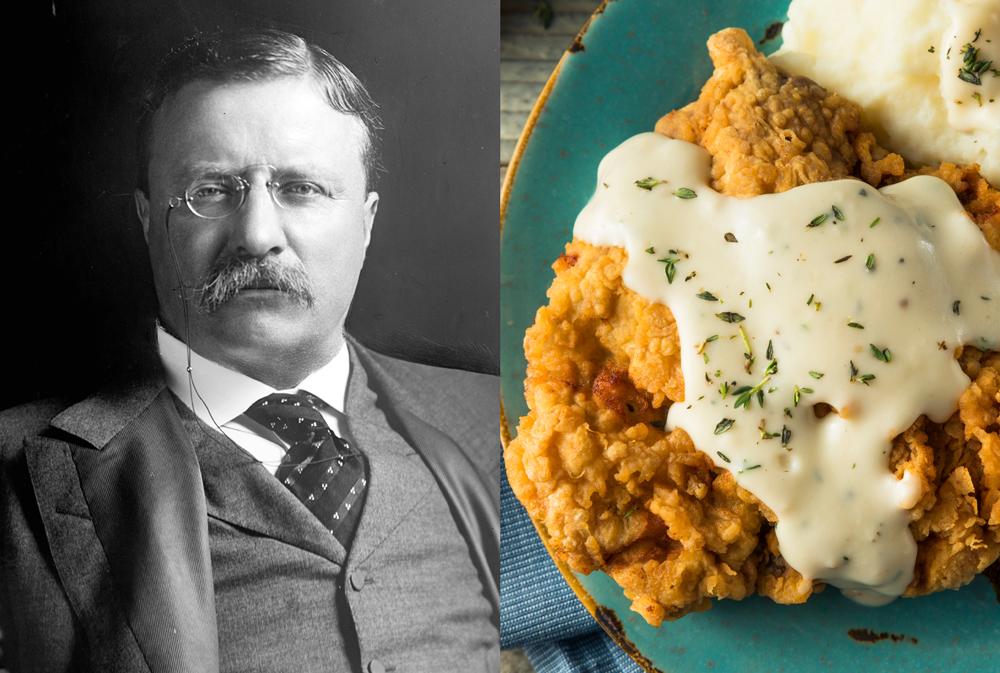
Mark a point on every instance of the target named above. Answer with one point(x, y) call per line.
point(635, 61)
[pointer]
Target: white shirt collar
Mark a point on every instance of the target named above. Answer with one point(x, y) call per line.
point(218, 394)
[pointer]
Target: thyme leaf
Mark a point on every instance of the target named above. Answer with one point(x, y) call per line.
point(707, 296)
point(746, 342)
point(669, 269)
point(685, 193)
point(648, 183)
point(836, 213)
point(731, 238)
point(881, 355)
point(816, 375)
point(870, 262)
point(816, 221)
point(855, 325)
point(954, 307)
point(874, 222)
point(730, 317)
point(843, 259)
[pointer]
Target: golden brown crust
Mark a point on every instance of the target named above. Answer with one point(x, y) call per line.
point(769, 131)
point(616, 493)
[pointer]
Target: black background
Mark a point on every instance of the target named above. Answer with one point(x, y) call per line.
point(78, 281)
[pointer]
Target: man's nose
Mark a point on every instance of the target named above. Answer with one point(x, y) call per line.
point(256, 227)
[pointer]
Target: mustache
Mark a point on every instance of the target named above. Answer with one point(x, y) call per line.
point(229, 277)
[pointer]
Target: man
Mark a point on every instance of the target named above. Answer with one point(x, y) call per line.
point(280, 498)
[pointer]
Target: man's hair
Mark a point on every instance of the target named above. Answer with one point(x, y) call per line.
point(257, 56)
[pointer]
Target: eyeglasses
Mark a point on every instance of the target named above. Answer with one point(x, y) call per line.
point(218, 195)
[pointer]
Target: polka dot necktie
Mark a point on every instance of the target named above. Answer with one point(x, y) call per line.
point(320, 468)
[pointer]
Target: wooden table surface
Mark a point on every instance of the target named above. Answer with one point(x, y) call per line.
point(528, 54)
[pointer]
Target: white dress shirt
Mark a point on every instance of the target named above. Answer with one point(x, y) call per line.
point(220, 396)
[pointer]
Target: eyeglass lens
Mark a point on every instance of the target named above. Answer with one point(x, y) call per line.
point(217, 196)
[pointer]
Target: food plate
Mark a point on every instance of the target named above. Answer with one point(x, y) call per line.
point(635, 61)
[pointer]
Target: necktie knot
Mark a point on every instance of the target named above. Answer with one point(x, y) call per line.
point(323, 472)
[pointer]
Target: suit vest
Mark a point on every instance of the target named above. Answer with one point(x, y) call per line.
point(288, 597)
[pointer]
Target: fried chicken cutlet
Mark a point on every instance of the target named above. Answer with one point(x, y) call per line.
point(592, 462)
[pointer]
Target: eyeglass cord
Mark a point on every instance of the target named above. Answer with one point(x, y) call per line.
point(193, 392)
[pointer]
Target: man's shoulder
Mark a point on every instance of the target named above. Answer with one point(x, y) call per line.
point(451, 396)
point(463, 404)
point(32, 418)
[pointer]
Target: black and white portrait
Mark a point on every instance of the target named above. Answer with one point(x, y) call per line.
point(251, 413)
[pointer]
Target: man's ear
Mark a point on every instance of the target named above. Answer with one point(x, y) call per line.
point(371, 207)
point(142, 210)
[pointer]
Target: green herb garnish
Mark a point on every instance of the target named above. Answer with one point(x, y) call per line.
point(836, 213)
point(707, 296)
point(730, 317)
point(882, 355)
point(746, 394)
point(816, 221)
point(855, 325)
point(685, 193)
point(648, 183)
point(816, 375)
point(731, 238)
point(870, 262)
point(746, 342)
point(972, 67)
point(874, 222)
point(843, 259)
point(954, 307)
point(669, 269)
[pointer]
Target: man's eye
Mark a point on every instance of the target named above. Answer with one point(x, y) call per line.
point(209, 191)
point(301, 189)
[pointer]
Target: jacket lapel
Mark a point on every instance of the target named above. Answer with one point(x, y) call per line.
point(474, 503)
point(393, 490)
point(141, 486)
point(240, 491)
point(79, 558)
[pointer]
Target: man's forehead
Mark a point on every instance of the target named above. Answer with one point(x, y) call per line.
point(286, 122)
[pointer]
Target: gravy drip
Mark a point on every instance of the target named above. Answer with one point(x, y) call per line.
point(824, 275)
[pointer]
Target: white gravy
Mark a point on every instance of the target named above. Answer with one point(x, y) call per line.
point(972, 106)
point(933, 284)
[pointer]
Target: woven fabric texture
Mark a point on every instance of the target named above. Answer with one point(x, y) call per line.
point(538, 610)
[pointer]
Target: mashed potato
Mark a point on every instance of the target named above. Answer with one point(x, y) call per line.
point(880, 55)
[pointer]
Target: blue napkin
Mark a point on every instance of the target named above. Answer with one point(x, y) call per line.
point(539, 612)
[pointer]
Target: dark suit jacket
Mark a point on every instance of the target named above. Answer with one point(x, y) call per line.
point(131, 559)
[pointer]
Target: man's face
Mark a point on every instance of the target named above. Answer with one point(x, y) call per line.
point(283, 127)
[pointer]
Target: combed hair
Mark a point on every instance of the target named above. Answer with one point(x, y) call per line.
point(256, 56)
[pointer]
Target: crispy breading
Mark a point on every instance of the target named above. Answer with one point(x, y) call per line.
point(615, 492)
point(769, 131)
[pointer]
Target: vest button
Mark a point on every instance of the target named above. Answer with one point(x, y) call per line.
point(358, 583)
point(375, 666)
